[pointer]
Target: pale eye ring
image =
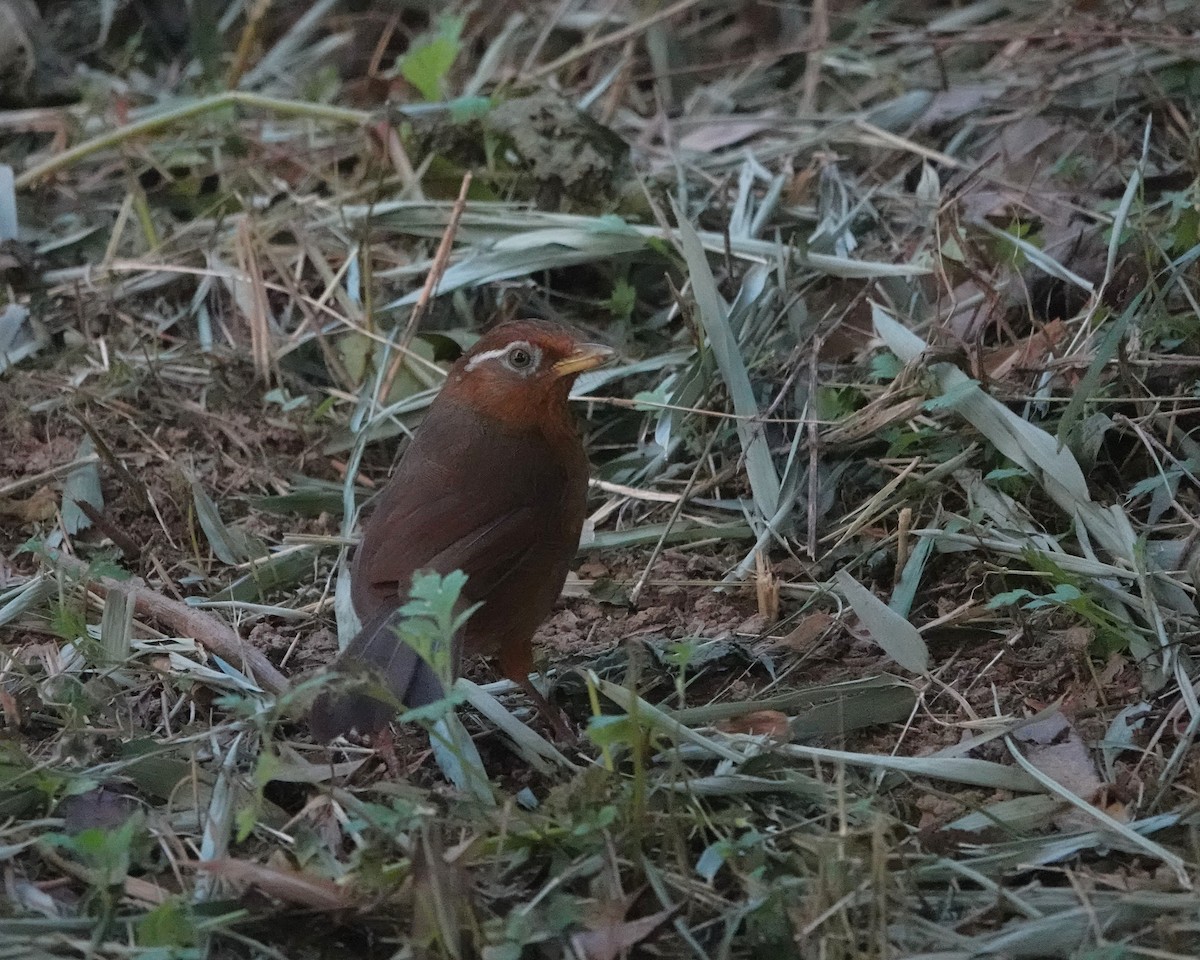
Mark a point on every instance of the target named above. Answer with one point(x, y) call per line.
point(520, 357)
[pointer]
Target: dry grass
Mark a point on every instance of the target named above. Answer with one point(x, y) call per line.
point(884, 640)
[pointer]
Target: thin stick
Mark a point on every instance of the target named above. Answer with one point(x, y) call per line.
point(440, 260)
point(194, 108)
point(617, 36)
point(818, 39)
point(245, 48)
point(209, 632)
point(814, 446)
point(683, 499)
point(34, 479)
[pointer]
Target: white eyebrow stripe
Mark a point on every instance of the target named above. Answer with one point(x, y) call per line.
point(486, 355)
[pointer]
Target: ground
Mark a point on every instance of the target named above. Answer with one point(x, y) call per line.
point(881, 639)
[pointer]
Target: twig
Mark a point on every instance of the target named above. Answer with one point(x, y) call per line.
point(209, 632)
point(814, 446)
point(440, 259)
point(617, 36)
point(34, 479)
point(818, 38)
point(245, 48)
point(124, 542)
point(160, 121)
point(679, 505)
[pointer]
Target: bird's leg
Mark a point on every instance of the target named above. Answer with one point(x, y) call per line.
point(554, 716)
point(385, 749)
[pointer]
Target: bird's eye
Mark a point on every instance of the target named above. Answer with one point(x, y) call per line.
point(520, 358)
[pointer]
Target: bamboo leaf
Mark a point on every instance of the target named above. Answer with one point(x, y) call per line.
point(231, 545)
point(894, 635)
point(714, 317)
point(81, 486)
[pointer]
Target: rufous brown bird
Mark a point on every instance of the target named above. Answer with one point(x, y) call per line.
point(494, 484)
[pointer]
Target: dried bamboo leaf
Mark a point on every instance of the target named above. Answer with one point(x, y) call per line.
point(459, 759)
point(116, 626)
point(1150, 847)
point(979, 773)
point(1038, 257)
point(714, 317)
point(219, 817)
point(82, 485)
point(894, 635)
point(1019, 815)
point(905, 590)
point(231, 545)
point(279, 571)
point(531, 745)
point(9, 228)
point(25, 597)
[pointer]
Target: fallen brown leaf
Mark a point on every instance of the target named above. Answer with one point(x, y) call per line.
point(36, 508)
point(807, 632)
point(611, 940)
point(1032, 351)
point(290, 886)
point(771, 723)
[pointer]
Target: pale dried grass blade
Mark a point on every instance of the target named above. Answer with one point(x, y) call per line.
point(714, 317)
point(894, 635)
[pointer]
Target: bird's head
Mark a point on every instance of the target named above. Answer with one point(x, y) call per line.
point(520, 372)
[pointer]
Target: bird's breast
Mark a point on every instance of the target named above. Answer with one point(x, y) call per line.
point(504, 505)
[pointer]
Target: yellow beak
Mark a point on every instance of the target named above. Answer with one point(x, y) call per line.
point(587, 356)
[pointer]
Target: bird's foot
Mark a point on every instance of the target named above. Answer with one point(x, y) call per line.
point(564, 734)
point(385, 749)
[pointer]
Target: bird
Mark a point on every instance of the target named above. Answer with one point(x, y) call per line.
point(494, 483)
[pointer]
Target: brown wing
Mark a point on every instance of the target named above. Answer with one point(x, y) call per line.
point(464, 498)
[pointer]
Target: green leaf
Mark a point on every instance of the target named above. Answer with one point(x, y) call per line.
point(610, 730)
point(430, 620)
point(1085, 390)
point(279, 571)
point(431, 56)
point(654, 400)
point(1010, 596)
point(1005, 473)
point(623, 300)
point(102, 567)
point(1065, 593)
point(108, 852)
point(712, 859)
point(885, 366)
point(245, 820)
point(167, 925)
point(434, 597)
point(905, 591)
point(459, 758)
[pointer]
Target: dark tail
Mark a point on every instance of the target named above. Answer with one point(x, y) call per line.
point(378, 655)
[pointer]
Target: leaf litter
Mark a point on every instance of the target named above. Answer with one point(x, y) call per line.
point(882, 634)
